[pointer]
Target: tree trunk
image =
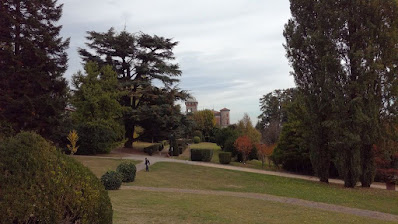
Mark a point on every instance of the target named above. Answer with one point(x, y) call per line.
point(129, 134)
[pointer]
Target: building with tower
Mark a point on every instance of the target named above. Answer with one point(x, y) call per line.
point(222, 116)
point(191, 105)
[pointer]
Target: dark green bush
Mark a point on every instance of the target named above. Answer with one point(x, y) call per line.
point(153, 148)
point(199, 134)
point(127, 170)
point(196, 139)
point(112, 180)
point(204, 155)
point(98, 137)
point(224, 157)
point(41, 185)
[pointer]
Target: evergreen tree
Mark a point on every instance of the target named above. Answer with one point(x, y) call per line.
point(32, 62)
point(139, 60)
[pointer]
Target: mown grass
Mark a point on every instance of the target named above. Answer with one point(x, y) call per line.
point(99, 166)
point(132, 206)
point(176, 175)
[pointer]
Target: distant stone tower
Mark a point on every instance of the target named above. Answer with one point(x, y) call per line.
point(224, 120)
point(191, 105)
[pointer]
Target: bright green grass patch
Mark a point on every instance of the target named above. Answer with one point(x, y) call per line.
point(99, 166)
point(132, 206)
point(176, 175)
point(142, 145)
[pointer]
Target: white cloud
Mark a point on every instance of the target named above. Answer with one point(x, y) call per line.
point(230, 52)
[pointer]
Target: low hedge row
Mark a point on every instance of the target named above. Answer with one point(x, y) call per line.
point(204, 155)
point(179, 146)
point(154, 148)
point(224, 157)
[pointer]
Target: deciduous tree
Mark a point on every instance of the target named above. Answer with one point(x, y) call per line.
point(244, 145)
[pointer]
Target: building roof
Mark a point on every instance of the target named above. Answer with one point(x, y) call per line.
point(191, 100)
point(225, 109)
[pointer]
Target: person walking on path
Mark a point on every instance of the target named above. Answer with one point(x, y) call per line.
point(147, 163)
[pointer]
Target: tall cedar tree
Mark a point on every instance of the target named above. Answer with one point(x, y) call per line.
point(139, 59)
point(32, 62)
point(344, 54)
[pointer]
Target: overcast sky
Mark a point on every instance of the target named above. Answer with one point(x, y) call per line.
point(230, 51)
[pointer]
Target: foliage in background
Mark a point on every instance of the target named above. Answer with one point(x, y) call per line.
point(264, 151)
point(32, 170)
point(205, 122)
point(32, 61)
point(274, 113)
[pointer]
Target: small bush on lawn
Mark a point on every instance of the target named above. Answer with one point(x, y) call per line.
point(41, 185)
point(112, 180)
point(224, 157)
point(127, 170)
point(196, 139)
point(204, 155)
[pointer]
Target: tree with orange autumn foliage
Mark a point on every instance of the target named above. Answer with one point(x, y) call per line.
point(265, 151)
point(244, 145)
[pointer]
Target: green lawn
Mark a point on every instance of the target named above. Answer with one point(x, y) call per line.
point(152, 207)
point(99, 166)
point(176, 175)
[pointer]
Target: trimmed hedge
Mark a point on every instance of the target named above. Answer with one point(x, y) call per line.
point(224, 157)
point(153, 148)
point(196, 139)
point(127, 170)
point(112, 180)
point(199, 134)
point(39, 184)
point(204, 155)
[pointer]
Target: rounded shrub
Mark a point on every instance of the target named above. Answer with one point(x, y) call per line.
point(198, 133)
point(196, 139)
point(112, 180)
point(127, 170)
point(224, 157)
point(41, 185)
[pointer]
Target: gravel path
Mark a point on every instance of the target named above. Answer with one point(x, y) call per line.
point(267, 197)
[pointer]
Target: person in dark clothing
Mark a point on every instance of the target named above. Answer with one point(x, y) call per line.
point(147, 163)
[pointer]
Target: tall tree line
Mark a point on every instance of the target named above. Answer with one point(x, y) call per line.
point(344, 56)
point(32, 62)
